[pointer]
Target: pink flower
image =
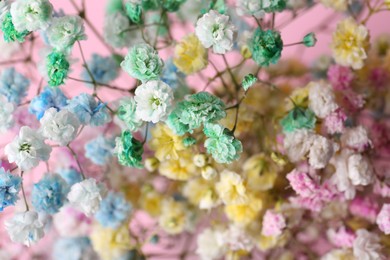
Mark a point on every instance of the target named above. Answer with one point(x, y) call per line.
point(302, 183)
point(273, 224)
point(379, 77)
point(340, 77)
point(313, 203)
point(383, 219)
point(334, 122)
point(341, 237)
point(364, 208)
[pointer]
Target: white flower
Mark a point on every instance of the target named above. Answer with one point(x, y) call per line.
point(31, 15)
point(356, 138)
point(237, 239)
point(360, 170)
point(320, 153)
point(383, 219)
point(27, 149)
point(209, 245)
point(86, 196)
point(250, 8)
point(214, 29)
point(367, 246)
point(6, 115)
point(298, 143)
point(340, 177)
point(154, 101)
point(25, 227)
point(116, 31)
point(321, 99)
point(60, 127)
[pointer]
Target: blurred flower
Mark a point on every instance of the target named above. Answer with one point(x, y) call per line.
point(113, 211)
point(297, 144)
point(367, 245)
point(126, 113)
point(334, 122)
point(245, 213)
point(181, 168)
point(356, 138)
point(100, 150)
point(25, 227)
point(174, 216)
point(116, 30)
point(9, 188)
point(9, 31)
point(340, 77)
point(57, 68)
point(201, 193)
point(129, 150)
point(266, 47)
point(250, 8)
point(172, 5)
point(134, 11)
point(31, 15)
point(309, 40)
point(248, 81)
point(231, 188)
point(338, 5)
point(48, 98)
point(298, 118)
point(6, 115)
point(166, 144)
point(13, 85)
point(209, 244)
point(78, 248)
point(103, 69)
point(321, 99)
point(70, 175)
point(321, 151)
point(273, 223)
point(383, 219)
point(341, 237)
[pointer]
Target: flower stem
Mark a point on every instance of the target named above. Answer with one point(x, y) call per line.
point(24, 193)
point(77, 161)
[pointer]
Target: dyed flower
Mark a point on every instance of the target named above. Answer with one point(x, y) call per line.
point(356, 138)
point(309, 40)
point(48, 98)
point(154, 100)
point(201, 193)
point(9, 188)
point(134, 11)
point(59, 126)
point(221, 144)
point(129, 150)
point(266, 47)
point(6, 115)
point(10, 33)
point(150, 4)
point(174, 217)
point(100, 150)
point(25, 228)
point(297, 144)
point(248, 81)
point(250, 8)
point(341, 237)
point(214, 29)
point(172, 5)
point(103, 69)
point(57, 68)
point(335, 121)
point(77, 248)
point(321, 99)
point(273, 224)
point(349, 44)
point(142, 62)
point(166, 144)
point(31, 15)
point(245, 213)
point(27, 149)
point(190, 55)
point(86, 196)
point(70, 175)
point(320, 152)
point(181, 169)
point(65, 31)
point(209, 245)
point(367, 246)
point(116, 30)
point(340, 77)
point(338, 5)
point(13, 85)
point(126, 113)
point(298, 118)
point(49, 194)
point(113, 211)
point(231, 188)
point(302, 183)
point(197, 109)
point(88, 110)
point(383, 219)
point(272, 6)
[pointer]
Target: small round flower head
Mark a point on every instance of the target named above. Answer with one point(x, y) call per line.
point(302, 183)
point(13, 85)
point(341, 237)
point(59, 126)
point(57, 68)
point(356, 138)
point(103, 69)
point(231, 188)
point(116, 30)
point(335, 121)
point(221, 144)
point(174, 217)
point(298, 118)
point(321, 99)
point(209, 245)
point(6, 115)
point(9, 31)
point(320, 153)
point(383, 219)
point(27, 149)
point(248, 81)
point(129, 150)
point(70, 175)
point(154, 100)
point(190, 55)
point(114, 210)
point(88, 110)
point(31, 15)
point(166, 144)
point(360, 170)
point(172, 5)
point(100, 150)
point(9, 188)
point(126, 113)
point(49, 194)
point(69, 248)
point(309, 40)
point(367, 245)
point(142, 62)
point(297, 144)
point(214, 29)
point(250, 8)
point(86, 196)
point(266, 47)
point(25, 228)
point(134, 11)
point(273, 224)
point(65, 31)
point(48, 98)
point(197, 109)
point(340, 77)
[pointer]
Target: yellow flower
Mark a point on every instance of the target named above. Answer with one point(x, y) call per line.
point(173, 218)
point(338, 5)
point(300, 97)
point(180, 169)
point(387, 3)
point(150, 201)
point(110, 243)
point(244, 214)
point(265, 243)
point(190, 55)
point(259, 173)
point(231, 188)
point(201, 193)
point(165, 143)
point(349, 44)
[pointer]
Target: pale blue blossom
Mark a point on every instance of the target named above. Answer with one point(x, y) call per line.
point(70, 175)
point(100, 150)
point(9, 188)
point(73, 248)
point(13, 85)
point(114, 210)
point(48, 98)
point(103, 69)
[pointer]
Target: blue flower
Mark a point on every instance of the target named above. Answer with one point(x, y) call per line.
point(88, 110)
point(103, 69)
point(70, 175)
point(73, 249)
point(114, 210)
point(49, 194)
point(175, 79)
point(48, 98)
point(13, 85)
point(9, 188)
point(100, 150)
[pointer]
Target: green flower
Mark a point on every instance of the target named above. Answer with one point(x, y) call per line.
point(171, 5)
point(114, 6)
point(150, 4)
point(221, 143)
point(298, 118)
point(309, 40)
point(248, 81)
point(9, 31)
point(129, 150)
point(275, 6)
point(134, 12)
point(198, 109)
point(189, 141)
point(142, 62)
point(126, 113)
point(57, 67)
point(266, 47)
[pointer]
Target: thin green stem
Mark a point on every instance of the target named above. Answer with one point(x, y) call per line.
point(77, 161)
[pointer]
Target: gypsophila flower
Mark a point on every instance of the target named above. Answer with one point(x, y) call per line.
point(340, 77)
point(13, 85)
point(221, 144)
point(70, 175)
point(231, 188)
point(10, 33)
point(25, 228)
point(57, 68)
point(49, 194)
point(273, 224)
point(126, 113)
point(321, 99)
point(100, 150)
point(129, 150)
point(86, 196)
point(9, 188)
point(171, 5)
point(356, 138)
point(31, 15)
point(298, 118)
point(142, 62)
point(360, 170)
point(271, 6)
point(209, 244)
point(114, 210)
point(250, 8)
point(6, 115)
point(309, 40)
point(342, 237)
point(59, 126)
point(103, 69)
point(367, 246)
point(134, 11)
point(297, 143)
point(320, 152)
point(88, 110)
point(197, 109)
point(27, 149)
point(154, 100)
point(335, 121)
point(383, 219)
point(77, 248)
point(48, 98)
point(214, 29)
point(302, 183)
point(115, 30)
point(248, 81)
point(65, 31)
point(266, 47)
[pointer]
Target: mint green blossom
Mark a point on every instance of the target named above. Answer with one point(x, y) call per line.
point(142, 62)
point(9, 31)
point(309, 40)
point(126, 113)
point(134, 12)
point(65, 31)
point(57, 67)
point(248, 81)
point(114, 6)
point(31, 15)
point(129, 150)
point(189, 141)
point(298, 118)
point(172, 5)
point(198, 109)
point(266, 47)
point(221, 143)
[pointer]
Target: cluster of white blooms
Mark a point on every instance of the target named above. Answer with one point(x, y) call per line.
point(31, 15)
point(321, 151)
point(356, 138)
point(321, 99)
